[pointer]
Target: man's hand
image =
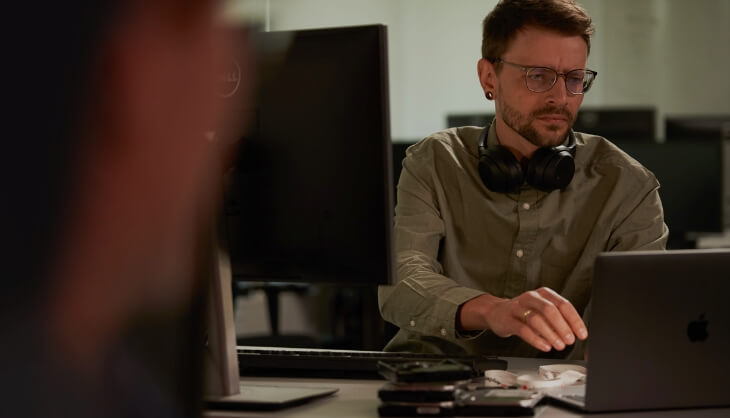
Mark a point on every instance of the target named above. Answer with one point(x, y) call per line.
point(541, 317)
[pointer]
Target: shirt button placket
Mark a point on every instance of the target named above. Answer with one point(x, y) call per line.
point(525, 239)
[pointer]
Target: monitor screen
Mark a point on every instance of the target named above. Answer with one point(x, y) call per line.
point(689, 127)
point(310, 197)
point(690, 177)
point(617, 123)
point(469, 119)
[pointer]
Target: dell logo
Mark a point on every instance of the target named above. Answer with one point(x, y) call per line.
point(230, 80)
point(697, 329)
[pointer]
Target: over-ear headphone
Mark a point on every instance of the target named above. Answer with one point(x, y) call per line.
point(548, 169)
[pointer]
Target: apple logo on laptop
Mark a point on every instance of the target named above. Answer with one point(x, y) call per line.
point(697, 329)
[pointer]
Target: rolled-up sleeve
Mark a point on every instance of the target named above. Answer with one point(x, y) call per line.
point(422, 300)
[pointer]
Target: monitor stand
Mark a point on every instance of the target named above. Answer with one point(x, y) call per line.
point(223, 387)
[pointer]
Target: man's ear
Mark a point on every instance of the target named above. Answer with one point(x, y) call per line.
point(487, 76)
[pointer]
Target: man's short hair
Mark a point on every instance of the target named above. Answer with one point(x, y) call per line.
point(509, 16)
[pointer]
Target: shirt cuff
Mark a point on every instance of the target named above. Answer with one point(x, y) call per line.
point(449, 305)
point(466, 334)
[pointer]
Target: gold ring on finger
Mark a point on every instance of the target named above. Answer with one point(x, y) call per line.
point(526, 314)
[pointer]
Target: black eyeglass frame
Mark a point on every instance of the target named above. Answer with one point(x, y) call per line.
point(526, 70)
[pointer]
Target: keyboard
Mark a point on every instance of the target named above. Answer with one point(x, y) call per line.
point(350, 364)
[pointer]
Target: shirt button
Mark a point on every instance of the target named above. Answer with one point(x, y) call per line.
point(413, 323)
point(526, 206)
point(443, 332)
point(519, 253)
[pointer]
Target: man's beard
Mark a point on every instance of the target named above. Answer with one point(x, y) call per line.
point(524, 125)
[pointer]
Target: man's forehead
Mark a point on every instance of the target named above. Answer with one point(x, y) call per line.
point(536, 45)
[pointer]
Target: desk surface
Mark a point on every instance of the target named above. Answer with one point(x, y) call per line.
point(359, 398)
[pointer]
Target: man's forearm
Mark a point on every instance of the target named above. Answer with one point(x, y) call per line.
point(473, 313)
point(541, 317)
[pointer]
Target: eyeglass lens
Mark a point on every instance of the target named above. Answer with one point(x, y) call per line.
point(542, 79)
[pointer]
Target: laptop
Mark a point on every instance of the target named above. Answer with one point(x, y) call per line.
point(659, 333)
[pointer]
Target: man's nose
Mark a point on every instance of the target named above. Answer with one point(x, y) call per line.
point(558, 94)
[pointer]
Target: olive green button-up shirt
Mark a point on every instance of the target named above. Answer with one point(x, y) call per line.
point(455, 239)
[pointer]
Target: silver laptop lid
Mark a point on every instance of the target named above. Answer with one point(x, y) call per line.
point(660, 330)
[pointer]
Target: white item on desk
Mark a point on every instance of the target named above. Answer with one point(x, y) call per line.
point(548, 376)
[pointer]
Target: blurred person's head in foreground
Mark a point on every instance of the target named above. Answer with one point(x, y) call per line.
point(108, 174)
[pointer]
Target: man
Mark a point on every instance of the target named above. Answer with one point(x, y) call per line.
point(496, 229)
point(110, 180)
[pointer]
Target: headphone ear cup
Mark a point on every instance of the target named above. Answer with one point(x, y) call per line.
point(550, 169)
point(500, 171)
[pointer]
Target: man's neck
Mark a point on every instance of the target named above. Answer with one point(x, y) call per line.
point(521, 148)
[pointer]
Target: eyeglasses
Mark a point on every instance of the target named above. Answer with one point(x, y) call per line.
point(542, 79)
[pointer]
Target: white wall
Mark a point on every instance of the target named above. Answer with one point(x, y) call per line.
point(671, 54)
point(440, 47)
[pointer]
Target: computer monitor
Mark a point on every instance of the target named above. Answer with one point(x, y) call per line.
point(726, 179)
point(221, 358)
point(691, 187)
point(468, 119)
point(311, 191)
point(695, 127)
point(620, 123)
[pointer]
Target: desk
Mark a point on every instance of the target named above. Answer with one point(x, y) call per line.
point(359, 398)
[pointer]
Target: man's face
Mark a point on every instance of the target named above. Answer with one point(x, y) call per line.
point(542, 118)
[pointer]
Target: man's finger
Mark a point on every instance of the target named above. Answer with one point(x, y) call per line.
point(567, 310)
point(525, 332)
point(535, 301)
point(542, 328)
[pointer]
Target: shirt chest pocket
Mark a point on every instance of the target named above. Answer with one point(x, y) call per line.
point(554, 276)
point(555, 268)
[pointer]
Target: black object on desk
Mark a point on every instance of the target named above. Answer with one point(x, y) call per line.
point(409, 409)
point(353, 364)
point(497, 402)
point(427, 392)
point(454, 397)
point(426, 371)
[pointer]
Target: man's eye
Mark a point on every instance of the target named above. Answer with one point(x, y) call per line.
point(576, 76)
